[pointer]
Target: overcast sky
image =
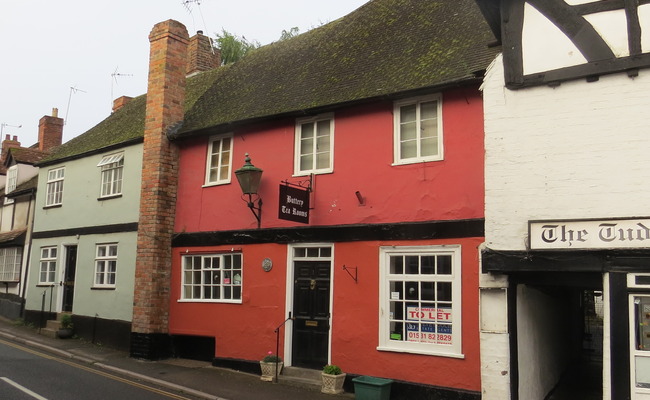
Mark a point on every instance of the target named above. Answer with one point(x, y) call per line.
point(78, 55)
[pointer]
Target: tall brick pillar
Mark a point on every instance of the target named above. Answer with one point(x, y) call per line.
point(165, 96)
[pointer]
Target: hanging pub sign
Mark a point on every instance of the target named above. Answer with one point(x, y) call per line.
point(294, 204)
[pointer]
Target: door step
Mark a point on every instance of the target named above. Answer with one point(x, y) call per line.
point(52, 325)
point(301, 377)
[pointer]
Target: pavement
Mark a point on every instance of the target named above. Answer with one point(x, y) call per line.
point(197, 379)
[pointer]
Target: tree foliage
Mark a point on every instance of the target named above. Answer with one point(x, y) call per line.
point(289, 34)
point(234, 47)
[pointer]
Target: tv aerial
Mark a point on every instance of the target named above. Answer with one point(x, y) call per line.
point(2, 127)
point(114, 77)
point(72, 90)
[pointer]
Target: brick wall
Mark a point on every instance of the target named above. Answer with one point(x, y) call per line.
point(202, 56)
point(165, 97)
point(50, 131)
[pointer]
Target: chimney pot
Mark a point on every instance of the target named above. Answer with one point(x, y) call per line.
point(15, 138)
point(199, 32)
point(55, 112)
point(8, 137)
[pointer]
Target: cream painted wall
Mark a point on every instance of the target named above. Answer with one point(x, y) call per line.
point(81, 189)
point(579, 150)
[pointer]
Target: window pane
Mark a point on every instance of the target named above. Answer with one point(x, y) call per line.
point(397, 265)
point(322, 160)
point(307, 131)
point(326, 252)
point(306, 162)
point(412, 264)
point(444, 291)
point(444, 264)
point(428, 265)
point(408, 149)
point(408, 113)
point(429, 147)
point(429, 110)
point(428, 128)
point(427, 291)
point(412, 291)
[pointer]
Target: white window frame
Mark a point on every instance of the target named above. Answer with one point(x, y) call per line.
point(299, 142)
point(197, 269)
point(637, 355)
point(112, 172)
point(105, 265)
point(54, 187)
point(47, 265)
point(417, 101)
point(10, 261)
point(454, 349)
point(215, 154)
point(12, 181)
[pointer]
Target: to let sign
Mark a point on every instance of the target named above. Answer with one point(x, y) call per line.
point(590, 234)
point(294, 204)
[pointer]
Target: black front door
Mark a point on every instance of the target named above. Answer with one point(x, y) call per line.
point(311, 326)
point(68, 277)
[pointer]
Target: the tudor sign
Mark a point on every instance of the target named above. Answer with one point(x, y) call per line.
point(590, 234)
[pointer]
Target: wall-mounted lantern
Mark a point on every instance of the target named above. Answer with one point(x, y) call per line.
point(249, 177)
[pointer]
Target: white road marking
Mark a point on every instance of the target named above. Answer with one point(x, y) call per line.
point(23, 389)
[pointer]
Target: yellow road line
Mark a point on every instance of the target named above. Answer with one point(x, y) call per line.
point(94, 371)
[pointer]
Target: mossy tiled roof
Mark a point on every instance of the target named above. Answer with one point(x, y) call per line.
point(383, 49)
point(25, 155)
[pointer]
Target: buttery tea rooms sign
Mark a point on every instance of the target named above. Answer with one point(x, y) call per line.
point(294, 204)
point(590, 234)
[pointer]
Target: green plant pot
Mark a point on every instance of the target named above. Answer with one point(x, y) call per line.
point(371, 388)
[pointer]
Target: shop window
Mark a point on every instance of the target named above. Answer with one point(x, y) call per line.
point(420, 300)
point(212, 277)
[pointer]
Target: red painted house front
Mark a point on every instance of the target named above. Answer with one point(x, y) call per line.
point(383, 278)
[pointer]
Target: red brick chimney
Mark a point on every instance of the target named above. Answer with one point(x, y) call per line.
point(50, 131)
point(7, 144)
point(202, 55)
point(164, 110)
point(121, 102)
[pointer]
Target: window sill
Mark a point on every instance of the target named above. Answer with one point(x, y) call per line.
point(416, 161)
point(207, 185)
point(216, 301)
point(114, 196)
point(53, 206)
point(102, 288)
point(428, 353)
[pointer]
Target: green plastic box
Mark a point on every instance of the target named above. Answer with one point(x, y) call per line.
point(371, 388)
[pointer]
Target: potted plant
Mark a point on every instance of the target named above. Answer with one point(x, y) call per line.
point(333, 378)
point(65, 331)
point(269, 364)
